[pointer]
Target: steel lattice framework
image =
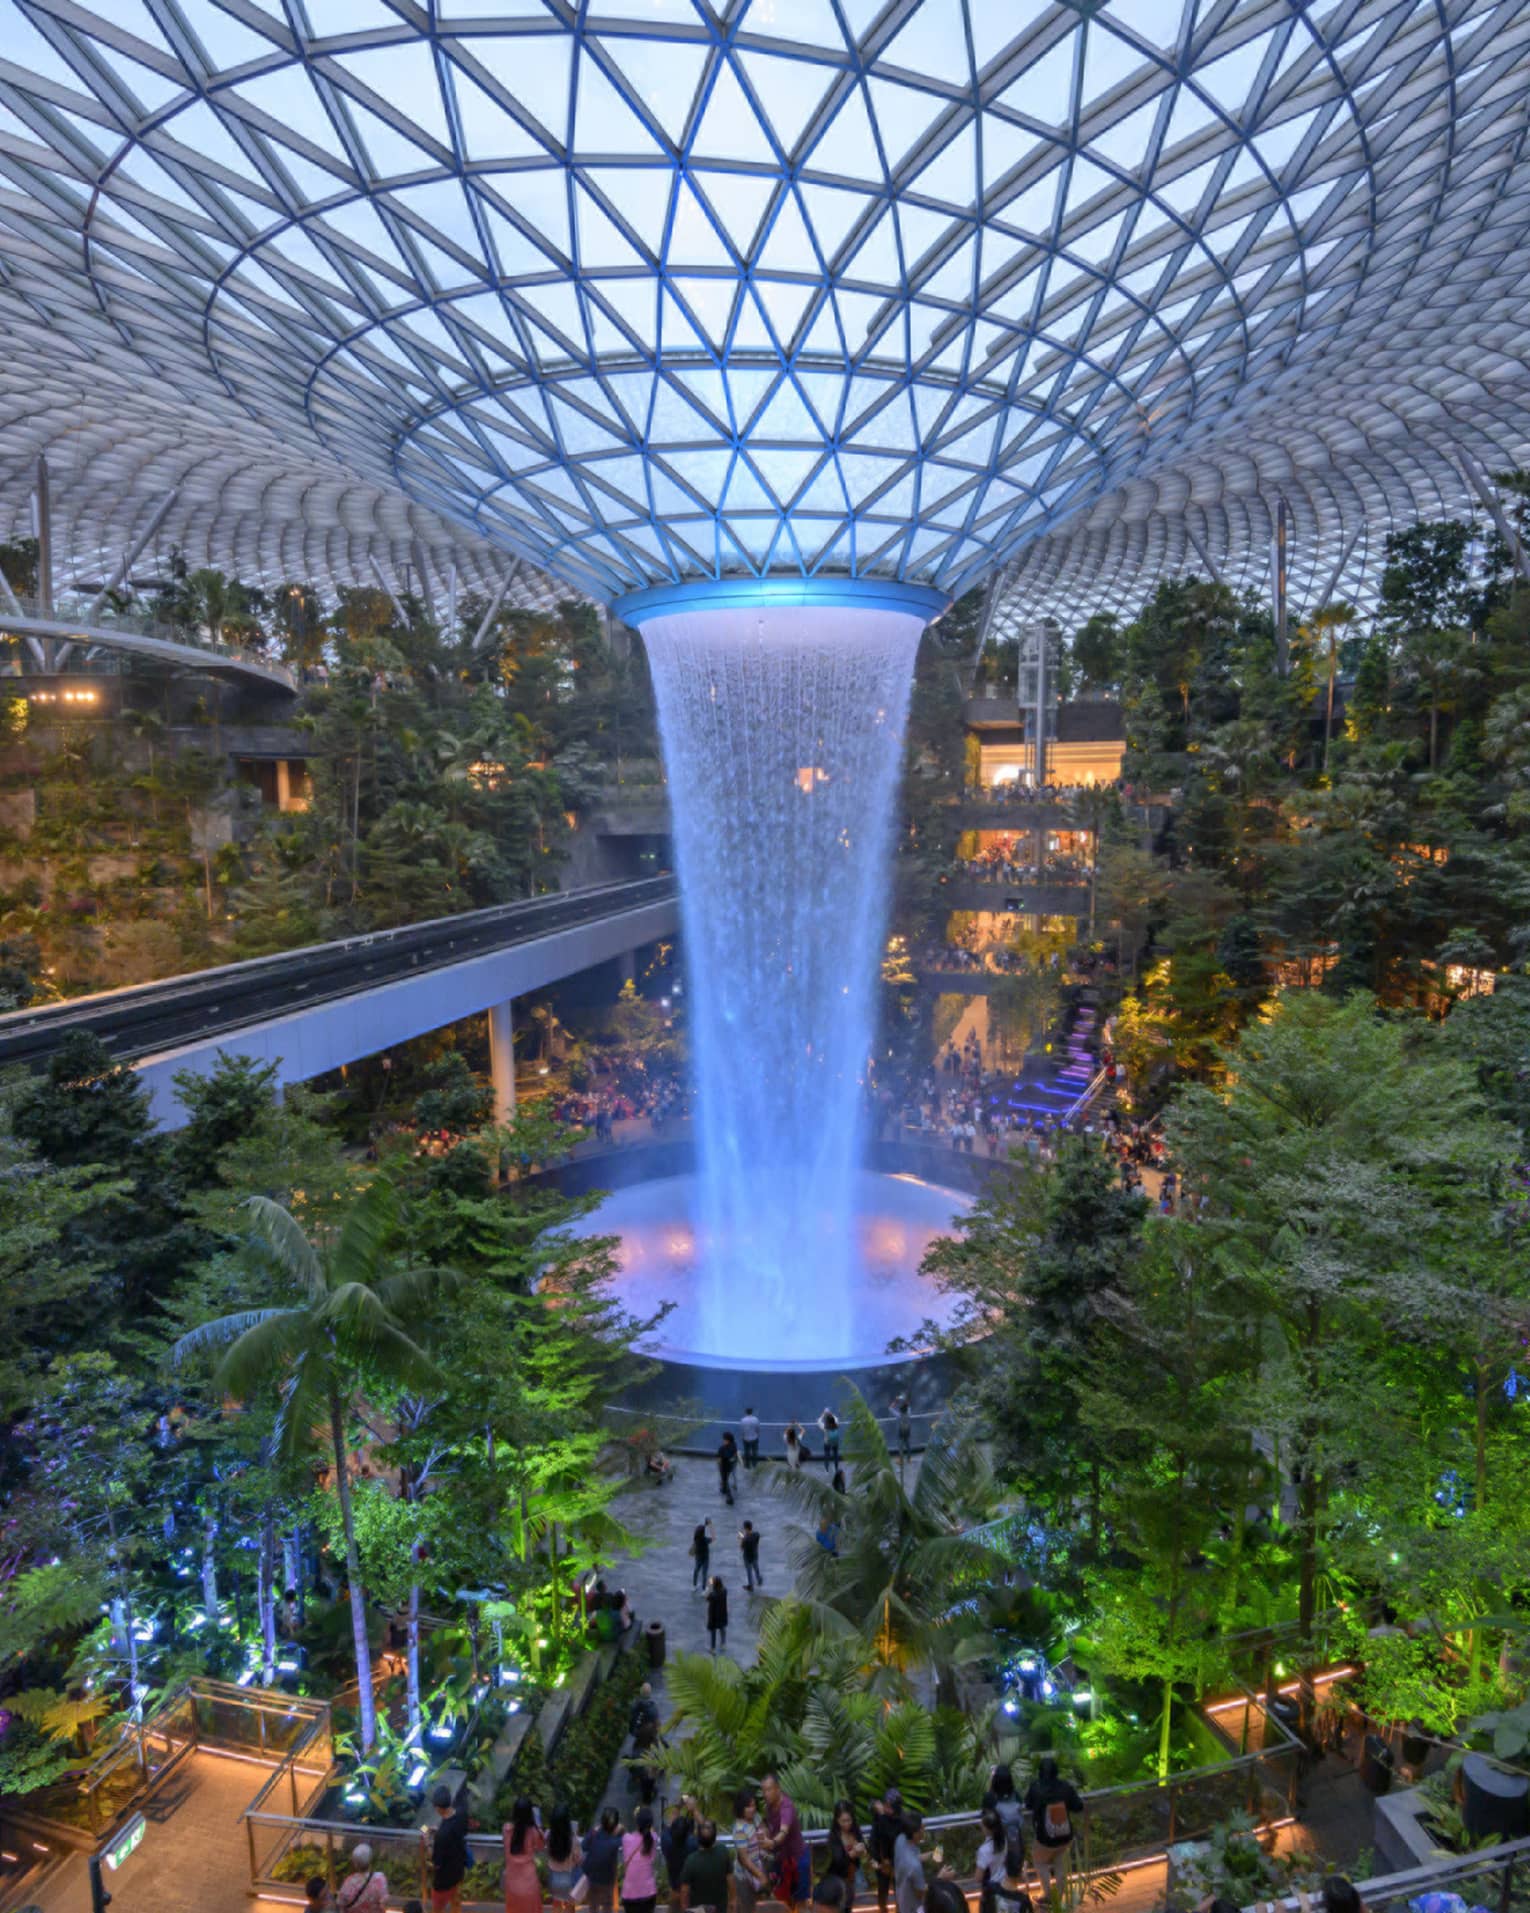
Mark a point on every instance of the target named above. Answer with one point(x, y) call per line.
point(649, 290)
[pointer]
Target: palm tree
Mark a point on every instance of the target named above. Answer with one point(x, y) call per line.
point(349, 1320)
point(1323, 627)
point(901, 1556)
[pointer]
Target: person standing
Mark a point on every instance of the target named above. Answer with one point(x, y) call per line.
point(750, 1879)
point(838, 1483)
point(448, 1852)
point(717, 1615)
point(908, 1866)
point(749, 1548)
point(701, 1553)
point(846, 1849)
point(881, 1843)
point(749, 1428)
point(602, 1854)
point(727, 1461)
point(793, 1440)
point(523, 1842)
point(363, 1890)
point(1053, 1803)
point(565, 1857)
point(783, 1833)
point(704, 1877)
point(828, 1421)
point(903, 1409)
point(640, 1887)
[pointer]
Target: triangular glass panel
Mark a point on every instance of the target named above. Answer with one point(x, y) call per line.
point(693, 239)
point(1128, 142)
point(579, 433)
point(730, 127)
point(1005, 146)
point(921, 230)
point(995, 29)
point(640, 195)
point(540, 196)
point(1184, 194)
point(789, 91)
point(1108, 60)
point(876, 259)
point(832, 211)
point(747, 385)
point(952, 174)
point(1044, 91)
point(677, 333)
point(709, 388)
point(848, 148)
point(1229, 79)
point(745, 492)
point(710, 303)
point(785, 472)
point(784, 303)
point(603, 120)
point(1034, 209)
point(399, 74)
point(788, 247)
point(750, 332)
point(807, 22)
point(933, 42)
point(488, 131)
point(664, 74)
point(738, 202)
point(904, 115)
point(602, 244)
point(389, 153)
point(787, 417)
point(516, 252)
point(636, 303)
point(534, 69)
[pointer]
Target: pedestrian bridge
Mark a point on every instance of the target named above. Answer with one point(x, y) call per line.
point(51, 638)
point(309, 1011)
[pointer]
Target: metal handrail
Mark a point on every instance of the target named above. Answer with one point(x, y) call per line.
point(93, 623)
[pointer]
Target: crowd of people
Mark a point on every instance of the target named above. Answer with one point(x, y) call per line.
point(1015, 795)
point(999, 866)
point(685, 1858)
point(660, 1103)
point(956, 959)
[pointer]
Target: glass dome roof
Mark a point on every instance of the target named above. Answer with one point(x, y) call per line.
point(648, 290)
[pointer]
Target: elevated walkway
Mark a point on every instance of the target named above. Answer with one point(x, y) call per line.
point(51, 636)
point(309, 1011)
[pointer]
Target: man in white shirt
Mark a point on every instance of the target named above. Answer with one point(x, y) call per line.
point(749, 1432)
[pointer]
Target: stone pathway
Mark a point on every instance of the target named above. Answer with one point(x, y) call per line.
point(658, 1581)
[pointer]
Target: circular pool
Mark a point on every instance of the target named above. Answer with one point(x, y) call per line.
point(664, 1257)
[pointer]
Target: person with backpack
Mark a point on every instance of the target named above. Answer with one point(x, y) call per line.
point(727, 1461)
point(1054, 1805)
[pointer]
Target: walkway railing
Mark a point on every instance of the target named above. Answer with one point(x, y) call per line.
point(82, 621)
point(1122, 1827)
point(253, 1724)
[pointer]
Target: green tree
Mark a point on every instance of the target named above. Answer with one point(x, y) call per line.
point(348, 1324)
point(1322, 1154)
point(902, 1553)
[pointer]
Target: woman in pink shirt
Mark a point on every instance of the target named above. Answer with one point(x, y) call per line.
point(640, 1889)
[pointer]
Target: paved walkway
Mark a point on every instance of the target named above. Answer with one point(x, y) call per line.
point(658, 1580)
point(193, 1858)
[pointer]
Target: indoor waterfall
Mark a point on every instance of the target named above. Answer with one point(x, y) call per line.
point(783, 735)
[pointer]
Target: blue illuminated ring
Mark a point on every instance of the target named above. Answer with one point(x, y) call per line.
point(745, 594)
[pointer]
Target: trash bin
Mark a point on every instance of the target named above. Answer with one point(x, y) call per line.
point(1494, 1804)
point(653, 1636)
point(1376, 1765)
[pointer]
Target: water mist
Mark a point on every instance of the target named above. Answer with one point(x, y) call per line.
point(783, 738)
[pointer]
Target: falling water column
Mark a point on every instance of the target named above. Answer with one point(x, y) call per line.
point(782, 727)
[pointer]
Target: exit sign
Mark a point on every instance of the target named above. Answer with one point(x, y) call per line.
point(126, 1842)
